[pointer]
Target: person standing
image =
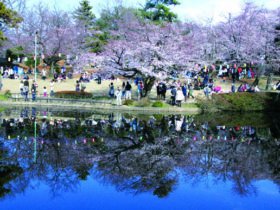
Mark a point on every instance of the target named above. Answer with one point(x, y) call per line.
point(179, 97)
point(83, 86)
point(21, 87)
point(44, 74)
point(0, 82)
point(163, 91)
point(232, 88)
point(159, 91)
point(111, 90)
point(173, 96)
point(206, 91)
point(128, 90)
point(26, 89)
point(77, 85)
point(99, 79)
point(184, 90)
point(45, 91)
point(123, 90)
point(33, 92)
point(51, 87)
point(118, 95)
point(140, 90)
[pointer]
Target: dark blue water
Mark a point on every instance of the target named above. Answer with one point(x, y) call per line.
point(91, 194)
point(148, 164)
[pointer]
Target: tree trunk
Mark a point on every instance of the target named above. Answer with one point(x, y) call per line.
point(259, 70)
point(269, 81)
point(52, 70)
point(148, 84)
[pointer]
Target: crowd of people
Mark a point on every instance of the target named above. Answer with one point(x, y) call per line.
point(181, 91)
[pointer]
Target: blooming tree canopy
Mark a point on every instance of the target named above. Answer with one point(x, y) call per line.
point(144, 49)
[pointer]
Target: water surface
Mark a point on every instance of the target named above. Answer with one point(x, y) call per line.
point(71, 159)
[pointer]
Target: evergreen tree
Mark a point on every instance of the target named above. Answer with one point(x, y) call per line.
point(157, 10)
point(8, 19)
point(84, 15)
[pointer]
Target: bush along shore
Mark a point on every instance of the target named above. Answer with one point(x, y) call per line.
point(241, 101)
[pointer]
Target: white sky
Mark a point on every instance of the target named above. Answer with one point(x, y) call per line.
point(198, 10)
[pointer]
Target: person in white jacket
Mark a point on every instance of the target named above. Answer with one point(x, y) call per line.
point(118, 95)
point(179, 97)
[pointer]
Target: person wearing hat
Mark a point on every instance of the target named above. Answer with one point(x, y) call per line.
point(118, 95)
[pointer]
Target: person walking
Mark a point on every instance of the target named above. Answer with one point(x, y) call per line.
point(191, 90)
point(118, 95)
point(128, 90)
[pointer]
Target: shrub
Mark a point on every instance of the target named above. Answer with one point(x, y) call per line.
point(158, 116)
point(7, 93)
point(157, 104)
point(144, 102)
point(2, 98)
point(72, 94)
point(128, 116)
point(101, 98)
point(206, 104)
point(243, 101)
point(128, 102)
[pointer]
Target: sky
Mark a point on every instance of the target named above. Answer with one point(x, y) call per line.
point(197, 10)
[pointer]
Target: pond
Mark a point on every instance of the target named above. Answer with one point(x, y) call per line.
point(73, 159)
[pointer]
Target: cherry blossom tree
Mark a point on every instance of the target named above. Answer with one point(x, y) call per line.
point(246, 37)
point(144, 49)
point(57, 34)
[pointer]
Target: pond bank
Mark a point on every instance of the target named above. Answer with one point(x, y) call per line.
point(106, 107)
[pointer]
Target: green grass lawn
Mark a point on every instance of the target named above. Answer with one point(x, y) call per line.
point(3, 98)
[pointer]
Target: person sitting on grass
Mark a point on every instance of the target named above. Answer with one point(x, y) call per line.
point(240, 88)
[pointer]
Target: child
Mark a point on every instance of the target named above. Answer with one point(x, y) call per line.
point(33, 94)
point(77, 86)
point(51, 87)
point(45, 91)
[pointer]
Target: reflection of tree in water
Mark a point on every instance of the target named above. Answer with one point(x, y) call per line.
point(142, 160)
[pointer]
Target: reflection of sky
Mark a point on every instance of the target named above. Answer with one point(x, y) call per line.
point(93, 195)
